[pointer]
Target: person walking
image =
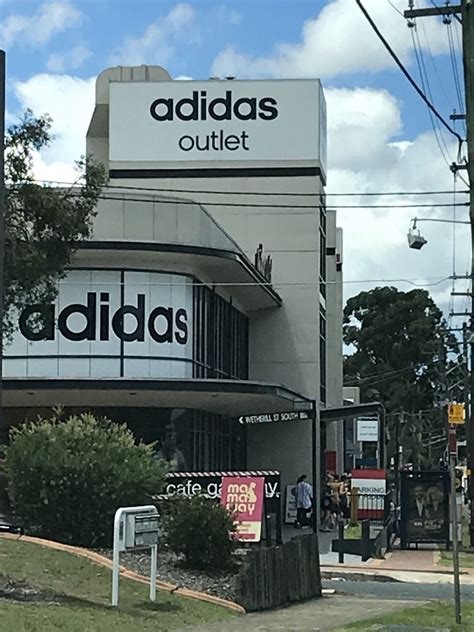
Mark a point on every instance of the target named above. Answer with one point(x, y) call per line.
point(304, 501)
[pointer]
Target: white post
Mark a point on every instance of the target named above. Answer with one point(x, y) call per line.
point(120, 544)
point(154, 564)
point(116, 559)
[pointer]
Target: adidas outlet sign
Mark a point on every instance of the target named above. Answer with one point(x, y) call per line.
point(107, 323)
point(215, 120)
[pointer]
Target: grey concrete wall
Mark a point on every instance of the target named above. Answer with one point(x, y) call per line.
point(334, 359)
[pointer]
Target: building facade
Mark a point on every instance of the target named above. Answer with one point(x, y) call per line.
point(212, 287)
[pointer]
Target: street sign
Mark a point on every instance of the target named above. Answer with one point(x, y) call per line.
point(300, 405)
point(269, 418)
point(456, 413)
point(368, 429)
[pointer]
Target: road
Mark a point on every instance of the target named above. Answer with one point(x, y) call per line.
point(398, 590)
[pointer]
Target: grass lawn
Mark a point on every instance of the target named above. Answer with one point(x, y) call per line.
point(353, 532)
point(437, 615)
point(86, 588)
point(466, 554)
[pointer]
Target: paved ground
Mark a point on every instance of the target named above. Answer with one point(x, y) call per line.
point(399, 590)
point(320, 615)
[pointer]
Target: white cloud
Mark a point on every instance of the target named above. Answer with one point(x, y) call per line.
point(38, 29)
point(338, 41)
point(362, 126)
point(183, 78)
point(362, 158)
point(71, 59)
point(225, 15)
point(158, 42)
point(70, 102)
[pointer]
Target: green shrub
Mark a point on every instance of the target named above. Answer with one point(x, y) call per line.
point(202, 531)
point(66, 479)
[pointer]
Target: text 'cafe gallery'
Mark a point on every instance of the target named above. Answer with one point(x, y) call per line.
point(212, 286)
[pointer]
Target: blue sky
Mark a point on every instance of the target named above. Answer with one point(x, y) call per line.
point(253, 26)
point(380, 135)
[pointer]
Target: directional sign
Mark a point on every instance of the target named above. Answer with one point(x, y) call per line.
point(275, 417)
point(456, 413)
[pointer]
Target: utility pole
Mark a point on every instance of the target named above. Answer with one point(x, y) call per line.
point(466, 10)
point(2, 215)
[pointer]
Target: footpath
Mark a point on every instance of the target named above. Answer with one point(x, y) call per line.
point(415, 565)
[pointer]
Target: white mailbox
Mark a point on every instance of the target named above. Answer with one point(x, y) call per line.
point(141, 531)
point(135, 528)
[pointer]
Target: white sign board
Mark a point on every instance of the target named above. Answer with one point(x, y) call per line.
point(367, 429)
point(167, 121)
point(107, 323)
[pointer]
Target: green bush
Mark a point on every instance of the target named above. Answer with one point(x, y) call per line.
point(202, 531)
point(66, 479)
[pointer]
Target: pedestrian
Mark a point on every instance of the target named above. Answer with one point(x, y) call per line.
point(304, 501)
point(326, 518)
point(335, 506)
point(344, 497)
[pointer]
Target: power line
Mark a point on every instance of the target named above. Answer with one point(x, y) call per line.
point(456, 17)
point(275, 284)
point(405, 72)
point(454, 64)
point(395, 8)
point(427, 90)
point(185, 202)
point(261, 193)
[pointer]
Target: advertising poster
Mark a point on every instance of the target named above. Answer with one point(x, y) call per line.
point(243, 497)
point(425, 509)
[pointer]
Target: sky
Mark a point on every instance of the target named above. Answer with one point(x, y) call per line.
point(380, 136)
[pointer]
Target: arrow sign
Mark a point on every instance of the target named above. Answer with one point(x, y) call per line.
point(269, 418)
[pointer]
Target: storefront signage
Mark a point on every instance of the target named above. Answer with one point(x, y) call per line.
point(274, 417)
point(210, 484)
point(208, 120)
point(107, 323)
point(371, 489)
point(243, 498)
point(367, 429)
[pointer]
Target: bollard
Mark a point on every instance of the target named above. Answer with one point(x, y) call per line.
point(365, 540)
point(340, 545)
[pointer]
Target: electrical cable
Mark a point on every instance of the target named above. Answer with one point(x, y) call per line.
point(415, 282)
point(395, 8)
point(454, 65)
point(456, 17)
point(261, 193)
point(185, 202)
point(441, 143)
point(405, 71)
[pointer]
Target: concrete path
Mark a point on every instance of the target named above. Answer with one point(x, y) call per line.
point(320, 615)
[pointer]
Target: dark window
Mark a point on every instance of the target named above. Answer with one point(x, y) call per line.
point(221, 337)
point(322, 358)
point(322, 245)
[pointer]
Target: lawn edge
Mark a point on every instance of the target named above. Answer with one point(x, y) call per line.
point(101, 560)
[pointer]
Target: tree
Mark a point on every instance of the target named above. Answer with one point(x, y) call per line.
point(400, 342)
point(43, 224)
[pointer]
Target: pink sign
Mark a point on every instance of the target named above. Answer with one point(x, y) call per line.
point(243, 497)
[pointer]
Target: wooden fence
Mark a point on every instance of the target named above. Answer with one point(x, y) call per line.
point(280, 575)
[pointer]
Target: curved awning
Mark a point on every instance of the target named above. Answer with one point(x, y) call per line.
point(226, 397)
